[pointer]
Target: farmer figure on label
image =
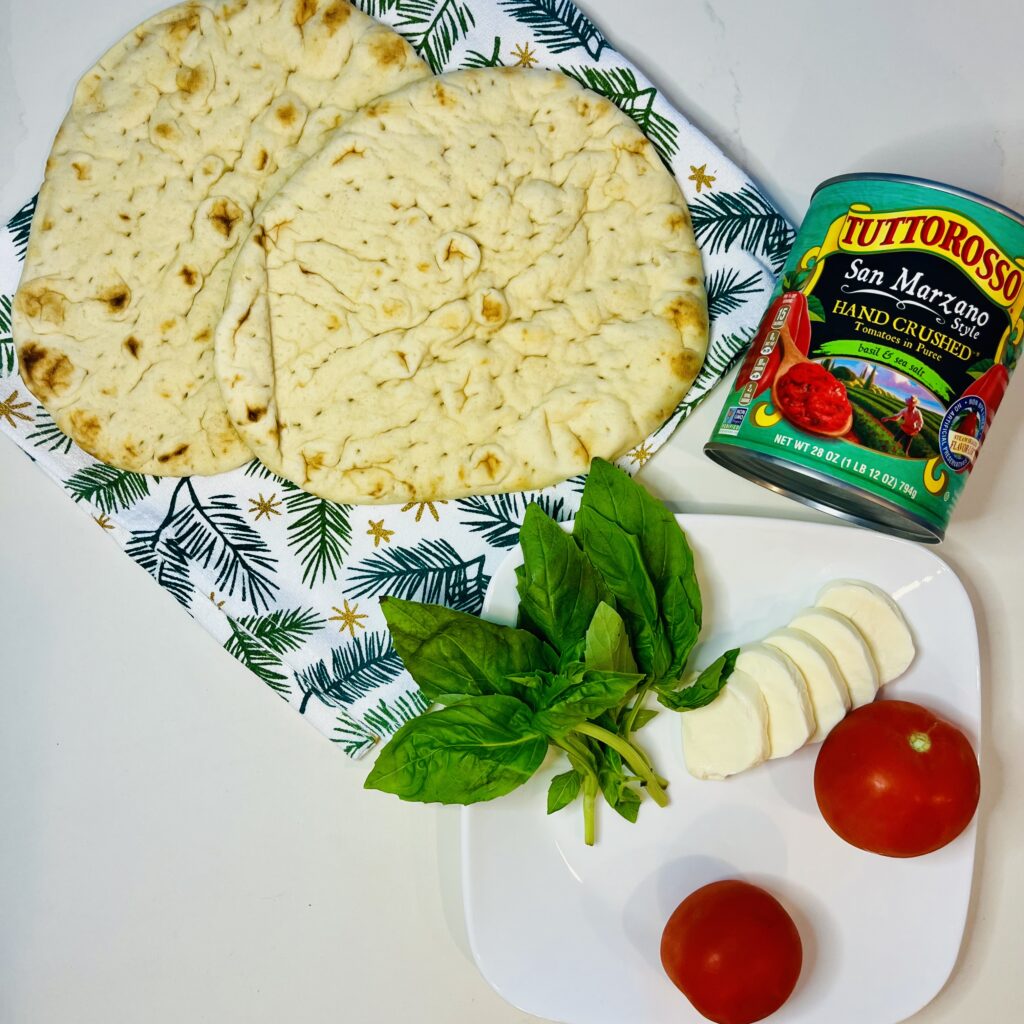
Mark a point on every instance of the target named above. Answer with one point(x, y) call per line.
point(910, 423)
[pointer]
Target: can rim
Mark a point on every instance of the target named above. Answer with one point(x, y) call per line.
point(734, 458)
point(939, 186)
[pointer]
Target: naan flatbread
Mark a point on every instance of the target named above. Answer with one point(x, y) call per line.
point(480, 283)
point(172, 142)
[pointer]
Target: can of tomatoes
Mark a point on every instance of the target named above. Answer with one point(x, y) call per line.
point(875, 374)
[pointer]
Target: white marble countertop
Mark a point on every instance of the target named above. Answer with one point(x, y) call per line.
point(164, 859)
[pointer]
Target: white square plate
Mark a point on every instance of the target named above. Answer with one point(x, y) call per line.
point(572, 933)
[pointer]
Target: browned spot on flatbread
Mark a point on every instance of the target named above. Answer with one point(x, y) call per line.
point(81, 170)
point(254, 415)
point(335, 16)
point(190, 80)
point(261, 159)
point(41, 303)
point(636, 147)
point(47, 224)
point(351, 151)
point(49, 373)
point(116, 297)
point(85, 428)
point(164, 130)
point(189, 275)
point(180, 28)
point(313, 463)
point(177, 453)
point(378, 109)
point(286, 114)
point(167, 325)
point(388, 49)
point(224, 215)
point(685, 364)
point(676, 222)
point(491, 310)
point(443, 96)
point(227, 12)
point(125, 216)
point(245, 316)
point(491, 463)
point(683, 313)
point(133, 345)
point(304, 10)
point(204, 335)
point(453, 250)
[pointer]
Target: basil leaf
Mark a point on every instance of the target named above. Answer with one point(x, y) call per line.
point(613, 496)
point(563, 790)
point(794, 281)
point(568, 701)
point(977, 369)
point(450, 652)
point(616, 554)
point(815, 309)
point(477, 750)
point(681, 624)
point(607, 645)
point(643, 717)
point(705, 688)
point(615, 786)
point(559, 591)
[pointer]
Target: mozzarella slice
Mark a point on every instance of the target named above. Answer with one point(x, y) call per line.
point(790, 716)
point(879, 619)
point(847, 646)
point(728, 735)
point(829, 695)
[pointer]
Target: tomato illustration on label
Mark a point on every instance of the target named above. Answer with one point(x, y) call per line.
point(789, 311)
point(813, 400)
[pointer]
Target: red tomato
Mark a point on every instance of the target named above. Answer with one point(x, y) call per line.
point(812, 399)
point(896, 779)
point(733, 951)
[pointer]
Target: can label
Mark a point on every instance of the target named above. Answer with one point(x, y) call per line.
point(888, 344)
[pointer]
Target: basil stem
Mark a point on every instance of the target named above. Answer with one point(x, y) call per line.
point(590, 789)
point(630, 755)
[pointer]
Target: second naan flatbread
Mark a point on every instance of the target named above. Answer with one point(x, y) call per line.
point(479, 284)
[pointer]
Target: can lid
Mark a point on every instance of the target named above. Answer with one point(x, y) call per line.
point(907, 179)
point(824, 492)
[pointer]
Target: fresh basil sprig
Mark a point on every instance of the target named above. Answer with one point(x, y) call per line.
point(606, 614)
point(478, 749)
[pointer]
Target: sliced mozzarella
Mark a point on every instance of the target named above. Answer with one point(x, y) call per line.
point(790, 716)
point(830, 697)
point(728, 735)
point(879, 619)
point(847, 646)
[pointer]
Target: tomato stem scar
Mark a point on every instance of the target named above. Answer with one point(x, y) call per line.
point(920, 741)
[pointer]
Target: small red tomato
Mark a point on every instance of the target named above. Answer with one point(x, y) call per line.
point(733, 951)
point(894, 778)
